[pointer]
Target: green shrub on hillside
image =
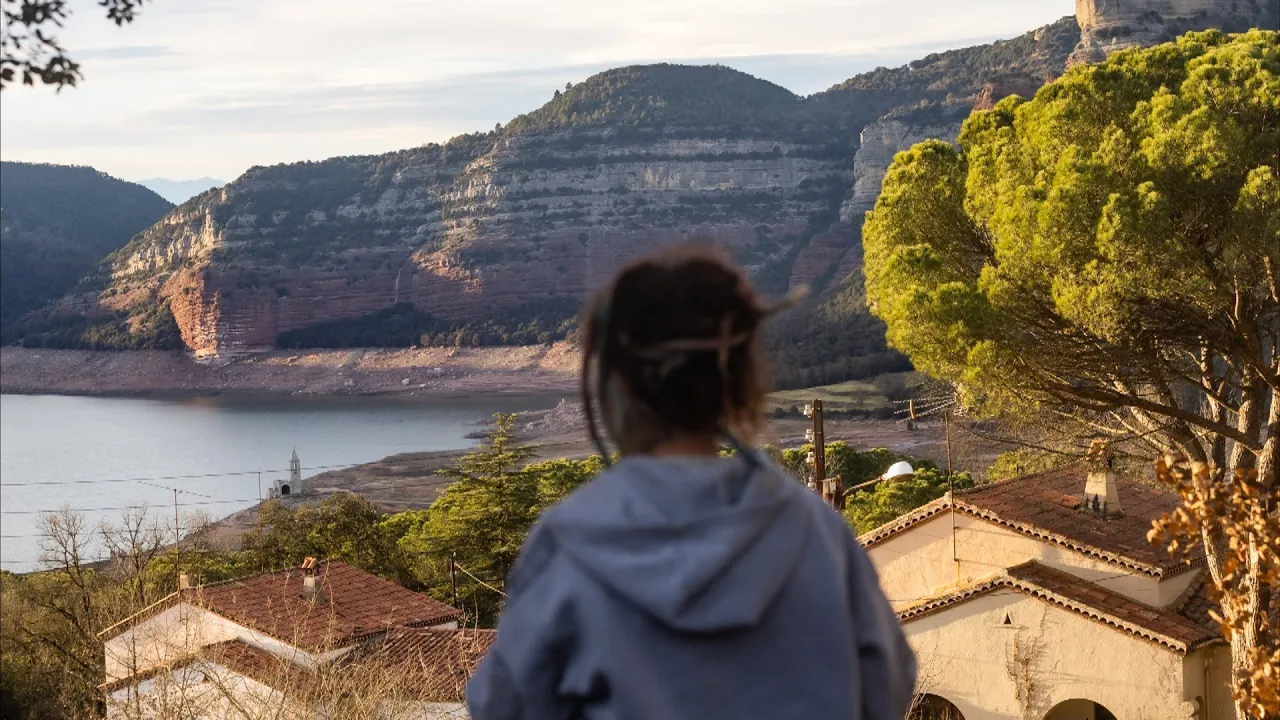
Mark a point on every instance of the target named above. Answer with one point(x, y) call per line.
point(403, 325)
point(664, 96)
point(150, 327)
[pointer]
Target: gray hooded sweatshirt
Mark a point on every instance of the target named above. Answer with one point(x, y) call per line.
point(692, 588)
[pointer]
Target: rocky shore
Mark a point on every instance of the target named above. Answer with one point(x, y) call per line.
point(439, 372)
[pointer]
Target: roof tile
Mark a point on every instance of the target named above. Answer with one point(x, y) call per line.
point(438, 663)
point(1045, 505)
point(350, 604)
point(1165, 627)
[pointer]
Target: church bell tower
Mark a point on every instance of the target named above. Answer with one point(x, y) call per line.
point(292, 486)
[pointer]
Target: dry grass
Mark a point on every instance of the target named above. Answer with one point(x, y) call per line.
point(873, 394)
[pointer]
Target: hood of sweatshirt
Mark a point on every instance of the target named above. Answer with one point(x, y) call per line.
point(700, 544)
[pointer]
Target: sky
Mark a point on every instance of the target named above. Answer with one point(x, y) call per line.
point(212, 87)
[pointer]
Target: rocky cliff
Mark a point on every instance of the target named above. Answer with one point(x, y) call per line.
point(899, 130)
point(492, 223)
point(1107, 26)
point(495, 237)
point(883, 139)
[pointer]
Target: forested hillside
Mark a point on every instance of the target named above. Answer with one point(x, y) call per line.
point(56, 223)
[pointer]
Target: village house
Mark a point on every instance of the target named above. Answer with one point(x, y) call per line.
point(291, 644)
point(1040, 598)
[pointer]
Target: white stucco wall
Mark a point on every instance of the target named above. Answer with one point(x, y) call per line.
point(164, 638)
point(202, 691)
point(918, 563)
point(969, 657)
point(1207, 675)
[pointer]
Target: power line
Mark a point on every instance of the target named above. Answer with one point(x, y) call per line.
point(158, 478)
point(473, 577)
point(126, 507)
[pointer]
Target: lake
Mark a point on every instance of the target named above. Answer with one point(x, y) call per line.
point(58, 450)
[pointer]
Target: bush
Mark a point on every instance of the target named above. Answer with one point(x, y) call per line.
point(403, 325)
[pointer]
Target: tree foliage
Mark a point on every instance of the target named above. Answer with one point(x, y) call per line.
point(403, 325)
point(830, 339)
point(663, 96)
point(1106, 254)
point(481, 520)
point(869, 508)
point(342, 527)
point(29, 49)
point(853, 466)
point(885, 501)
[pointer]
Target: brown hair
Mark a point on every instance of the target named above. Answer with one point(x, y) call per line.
point(680, 327)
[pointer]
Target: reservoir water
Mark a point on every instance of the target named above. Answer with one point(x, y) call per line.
point(101, 455)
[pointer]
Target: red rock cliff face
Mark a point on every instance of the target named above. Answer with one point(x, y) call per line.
point(468, 234)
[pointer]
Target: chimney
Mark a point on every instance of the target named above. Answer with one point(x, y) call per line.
point(1101, 493)
point(184, 581)
point(309, 580)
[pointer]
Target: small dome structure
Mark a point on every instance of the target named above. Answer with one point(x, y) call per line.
point(898, 469)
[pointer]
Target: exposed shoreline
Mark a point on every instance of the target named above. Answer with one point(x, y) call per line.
point(409, 481)
point(440, 373)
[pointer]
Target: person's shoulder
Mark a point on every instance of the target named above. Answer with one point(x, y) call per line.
point(537, 554)
point(586, 500)
point(540, 547)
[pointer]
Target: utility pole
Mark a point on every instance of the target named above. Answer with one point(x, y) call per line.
point(177, 543)
point(818, 437)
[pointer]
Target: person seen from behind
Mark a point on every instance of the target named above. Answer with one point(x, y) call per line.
point(680, 583)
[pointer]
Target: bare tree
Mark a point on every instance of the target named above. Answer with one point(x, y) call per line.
point(1242, 511)
point(134, 543)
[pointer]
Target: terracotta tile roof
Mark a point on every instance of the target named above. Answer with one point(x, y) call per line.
point(1044, 505)
point(235, 655)
point(351, 604)
point(1197, 601)
point(1159, 625)
point(256, 663)
point(436, 663)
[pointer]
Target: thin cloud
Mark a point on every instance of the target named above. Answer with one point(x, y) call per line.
point(250, 82)
point(124, 52)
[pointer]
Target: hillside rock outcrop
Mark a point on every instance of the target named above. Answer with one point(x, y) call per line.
point(878, 145)
point(1107, 26)
point(505, 223)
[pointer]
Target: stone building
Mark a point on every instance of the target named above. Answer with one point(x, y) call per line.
point(293, 485)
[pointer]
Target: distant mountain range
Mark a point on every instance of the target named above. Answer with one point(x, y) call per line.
point(495, 237)
point(180, 191)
